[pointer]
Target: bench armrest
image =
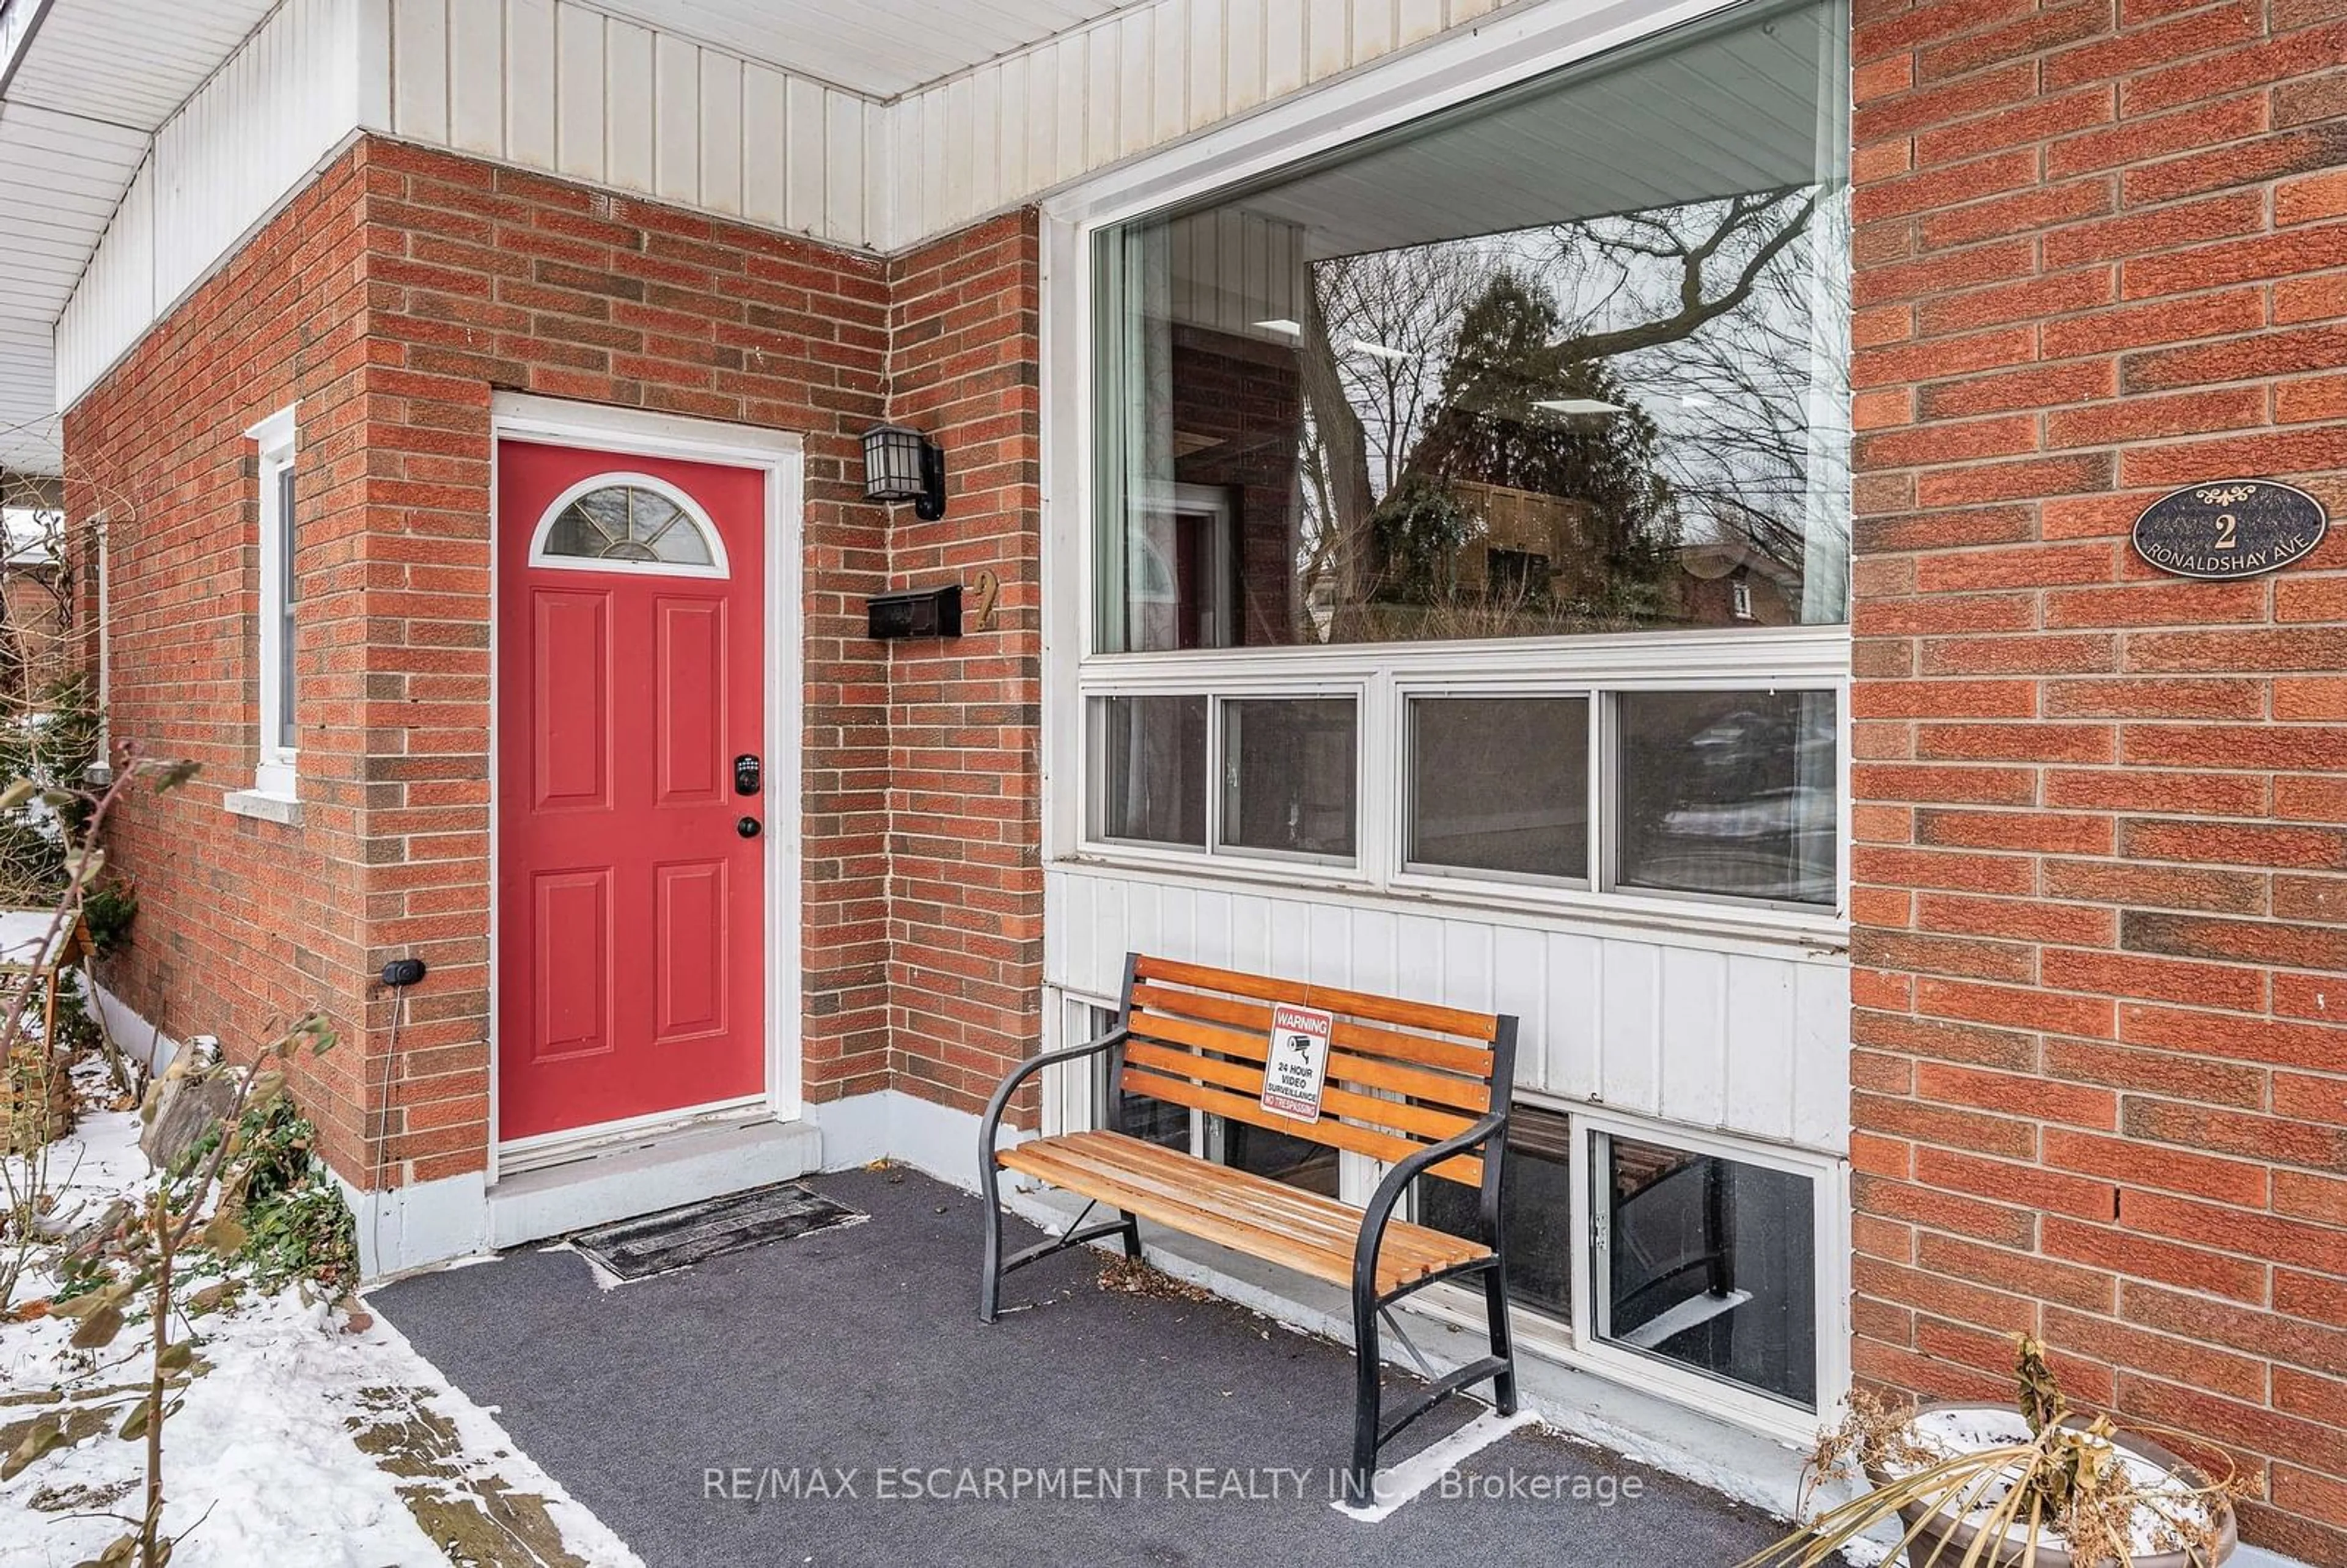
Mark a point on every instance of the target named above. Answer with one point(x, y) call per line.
point(1021, 1074)
point(1378, 1209)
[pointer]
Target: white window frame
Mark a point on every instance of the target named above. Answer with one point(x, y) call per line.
point(277, 770)
point(1384, 678)
point(1574, 1342)
point(1434, 877)
point(1829, 1275)
point(1444, 73)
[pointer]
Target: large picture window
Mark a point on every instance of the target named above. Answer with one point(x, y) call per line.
point(1561, 371)
point(1568, 360)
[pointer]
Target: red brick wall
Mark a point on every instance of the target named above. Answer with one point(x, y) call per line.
point(243, 926)
point(2100, 1076)
point(42, 649)
point(392, 299)
point(483, 279)
point(966, 911)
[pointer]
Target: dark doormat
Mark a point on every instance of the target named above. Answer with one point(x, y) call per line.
point(678, 1238)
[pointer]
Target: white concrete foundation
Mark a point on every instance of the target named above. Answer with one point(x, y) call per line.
point(935, 1140)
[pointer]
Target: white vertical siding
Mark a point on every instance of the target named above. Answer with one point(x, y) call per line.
point(1745, 1038)
point(803, 139)
point(676, 121)
point(765, 146)
point(242, 143)
point(578, 132)
point(553, 84)
point(628, 105)
point(476, 67)
point(116, 299)
point(720, 132)
point(419, 68)
point(1138, 79)
point(531, 43)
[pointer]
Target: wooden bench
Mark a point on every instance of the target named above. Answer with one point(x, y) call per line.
point(1419, 1088)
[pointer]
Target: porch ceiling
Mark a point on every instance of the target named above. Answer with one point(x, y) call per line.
point(84, 86)
point(880, 48)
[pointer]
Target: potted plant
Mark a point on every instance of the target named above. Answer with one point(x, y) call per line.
point(2031, 1485)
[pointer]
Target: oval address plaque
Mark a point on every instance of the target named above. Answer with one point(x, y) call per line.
point(2230, 528)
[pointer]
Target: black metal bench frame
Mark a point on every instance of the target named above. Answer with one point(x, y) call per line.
point(1371, 1433)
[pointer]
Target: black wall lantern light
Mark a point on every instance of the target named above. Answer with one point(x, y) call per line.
point(901, 465)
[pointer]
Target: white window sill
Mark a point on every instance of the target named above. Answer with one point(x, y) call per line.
point(263, 806)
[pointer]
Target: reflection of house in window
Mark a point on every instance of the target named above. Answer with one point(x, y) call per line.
point(1184, 572)
point(1729, 577)
point(1524, 547)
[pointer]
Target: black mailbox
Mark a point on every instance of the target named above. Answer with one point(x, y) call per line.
point(916, 612)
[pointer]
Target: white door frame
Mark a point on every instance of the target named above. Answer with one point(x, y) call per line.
point(779, 456)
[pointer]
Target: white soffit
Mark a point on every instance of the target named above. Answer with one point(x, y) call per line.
point(90, 83)
point(129, 62)
point(880, 48)
point(60, 179)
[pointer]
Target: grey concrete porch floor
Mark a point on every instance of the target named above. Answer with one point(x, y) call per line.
point(852, 1351)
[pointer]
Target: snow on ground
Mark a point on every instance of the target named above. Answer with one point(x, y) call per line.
point(267, 1452)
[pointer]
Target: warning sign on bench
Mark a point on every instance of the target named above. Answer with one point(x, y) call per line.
point(1298, 1069)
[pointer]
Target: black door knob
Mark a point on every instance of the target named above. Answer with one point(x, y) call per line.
point(749, 828)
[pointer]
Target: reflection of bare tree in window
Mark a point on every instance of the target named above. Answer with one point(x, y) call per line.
point(1401, 312)
point(1565, 503)
point(1739, 378)
point(1713, 299)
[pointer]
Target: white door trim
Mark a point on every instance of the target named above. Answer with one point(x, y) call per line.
point(781, 456)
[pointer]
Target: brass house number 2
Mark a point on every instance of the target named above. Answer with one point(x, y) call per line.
point(987, 591)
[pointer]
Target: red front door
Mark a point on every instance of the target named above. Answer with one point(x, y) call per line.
point(630, 677)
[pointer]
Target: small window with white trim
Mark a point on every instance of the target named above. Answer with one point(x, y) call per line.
point(1706, 1262)
point(275, 676)
point(1699, 1267)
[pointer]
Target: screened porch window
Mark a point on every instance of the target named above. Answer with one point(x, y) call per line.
point(1562, 369)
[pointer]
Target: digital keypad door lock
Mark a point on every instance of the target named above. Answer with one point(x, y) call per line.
point(745, 773)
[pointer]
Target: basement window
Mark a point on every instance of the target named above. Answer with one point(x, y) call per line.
point(1706, 1263)
point(1698, 1268)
